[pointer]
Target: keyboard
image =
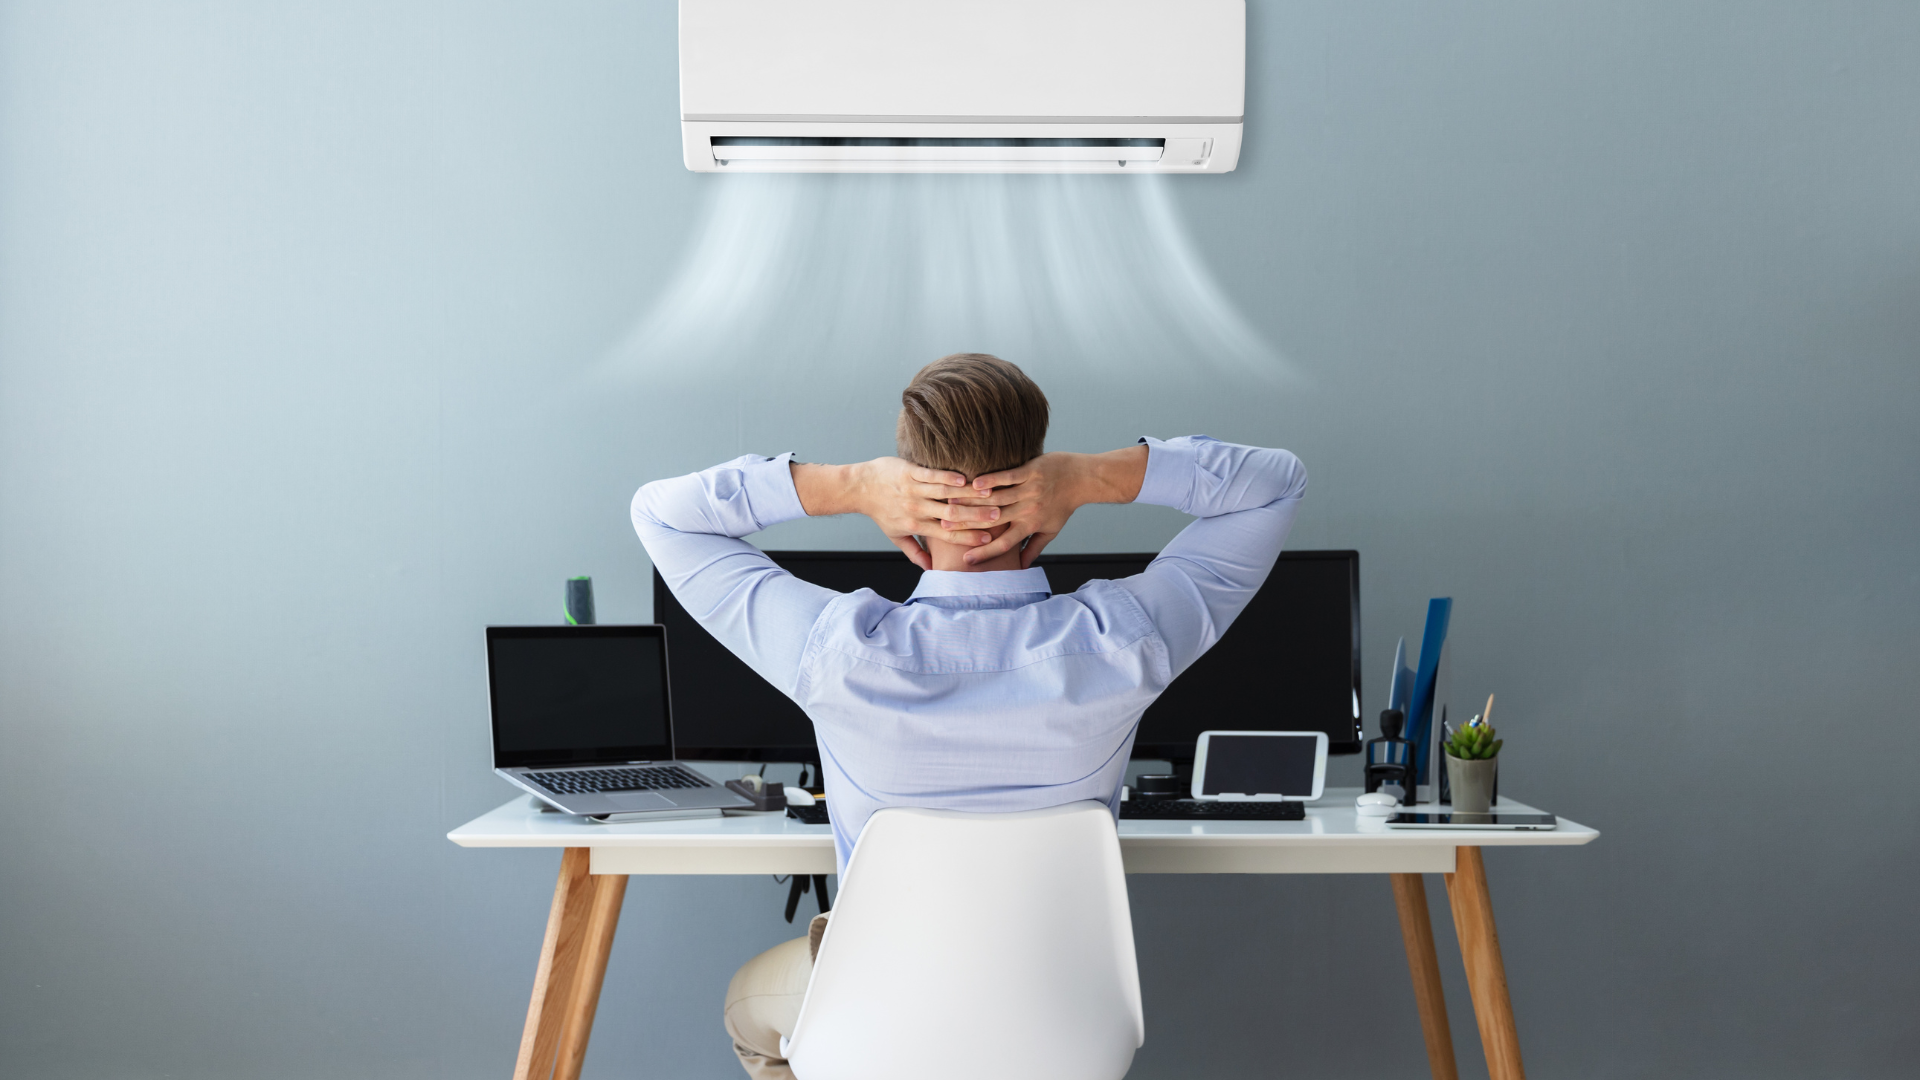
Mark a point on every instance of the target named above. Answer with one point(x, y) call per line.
point(1210, 810)
point(625, 778)
point(811, 815)
point(1145, 809)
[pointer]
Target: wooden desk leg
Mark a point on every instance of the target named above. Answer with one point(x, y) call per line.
point(573, 960)
point(1486, 973)
point(608, 891)
point(1416, 929)
point(553, 979)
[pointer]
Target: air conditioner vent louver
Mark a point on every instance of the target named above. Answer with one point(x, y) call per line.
point(804, 140)
point(728, 149)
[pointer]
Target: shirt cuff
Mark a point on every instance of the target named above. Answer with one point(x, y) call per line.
point(770, 491)
point(1169, 477)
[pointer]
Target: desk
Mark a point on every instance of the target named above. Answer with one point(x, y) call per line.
point(596, 860)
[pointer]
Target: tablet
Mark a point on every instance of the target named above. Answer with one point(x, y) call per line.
point(1260, 766)
point(1444, 820)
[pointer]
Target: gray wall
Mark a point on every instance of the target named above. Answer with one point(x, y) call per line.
point(1604, 317)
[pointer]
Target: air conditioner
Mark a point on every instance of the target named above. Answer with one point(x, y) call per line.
point(962, 85)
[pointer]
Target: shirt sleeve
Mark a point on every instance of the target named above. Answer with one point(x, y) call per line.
point(1245, 498)
point(691, 526)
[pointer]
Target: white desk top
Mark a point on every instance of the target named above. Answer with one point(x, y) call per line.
point(1333, 839)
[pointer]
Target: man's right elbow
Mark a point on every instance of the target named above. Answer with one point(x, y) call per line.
point(1298, 487)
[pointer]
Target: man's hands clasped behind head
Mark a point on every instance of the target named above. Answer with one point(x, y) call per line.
point(1034, 501)
point(993, 513)
point(906, 501)
point(1020, 509)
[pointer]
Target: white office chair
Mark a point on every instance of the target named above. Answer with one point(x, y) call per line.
point(968, 946)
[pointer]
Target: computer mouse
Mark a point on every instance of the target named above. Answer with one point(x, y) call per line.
point(1376, 803)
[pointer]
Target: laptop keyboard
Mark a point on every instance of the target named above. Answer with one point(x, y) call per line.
point(626, 778)
point(1210, 810)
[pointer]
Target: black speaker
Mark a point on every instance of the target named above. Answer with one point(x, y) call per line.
point(579, 606)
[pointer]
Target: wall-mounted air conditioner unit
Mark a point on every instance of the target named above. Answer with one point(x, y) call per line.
point(962, 85)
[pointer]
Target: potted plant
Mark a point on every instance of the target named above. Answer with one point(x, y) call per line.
point(1473, 756)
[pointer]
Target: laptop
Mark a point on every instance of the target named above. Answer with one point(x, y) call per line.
point(582, 721)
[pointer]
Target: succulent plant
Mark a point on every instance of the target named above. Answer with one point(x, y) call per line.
point(1475, 742)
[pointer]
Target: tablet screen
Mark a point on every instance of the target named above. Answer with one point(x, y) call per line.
point(1260, 765)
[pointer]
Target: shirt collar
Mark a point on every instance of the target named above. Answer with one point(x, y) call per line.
point(981, 583)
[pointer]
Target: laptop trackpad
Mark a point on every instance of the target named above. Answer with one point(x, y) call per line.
point(628, 801)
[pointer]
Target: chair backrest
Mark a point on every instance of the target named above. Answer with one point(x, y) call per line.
point(967, 946)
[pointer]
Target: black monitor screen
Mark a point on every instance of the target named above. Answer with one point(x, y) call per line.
point(577, 693)
point(725, 712)
point(1291, 662)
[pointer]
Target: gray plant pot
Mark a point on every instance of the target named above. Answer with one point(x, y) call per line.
point(1472, 783)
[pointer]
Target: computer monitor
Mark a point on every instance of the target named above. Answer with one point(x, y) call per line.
point(1290, 662)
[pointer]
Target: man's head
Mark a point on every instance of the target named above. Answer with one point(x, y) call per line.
point(971, 413)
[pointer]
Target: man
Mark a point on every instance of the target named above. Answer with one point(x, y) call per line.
point(983, 692)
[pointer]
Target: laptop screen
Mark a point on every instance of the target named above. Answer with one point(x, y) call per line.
point(578, 693)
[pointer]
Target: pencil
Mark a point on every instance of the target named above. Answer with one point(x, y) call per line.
point(1486, 715)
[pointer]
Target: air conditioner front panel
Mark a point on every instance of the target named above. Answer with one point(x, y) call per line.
point(990, 59)
point(1166, 70)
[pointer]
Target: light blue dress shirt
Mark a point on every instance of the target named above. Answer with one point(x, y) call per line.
point(984, 691)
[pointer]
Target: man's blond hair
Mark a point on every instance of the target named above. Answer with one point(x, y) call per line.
point(971, 413)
